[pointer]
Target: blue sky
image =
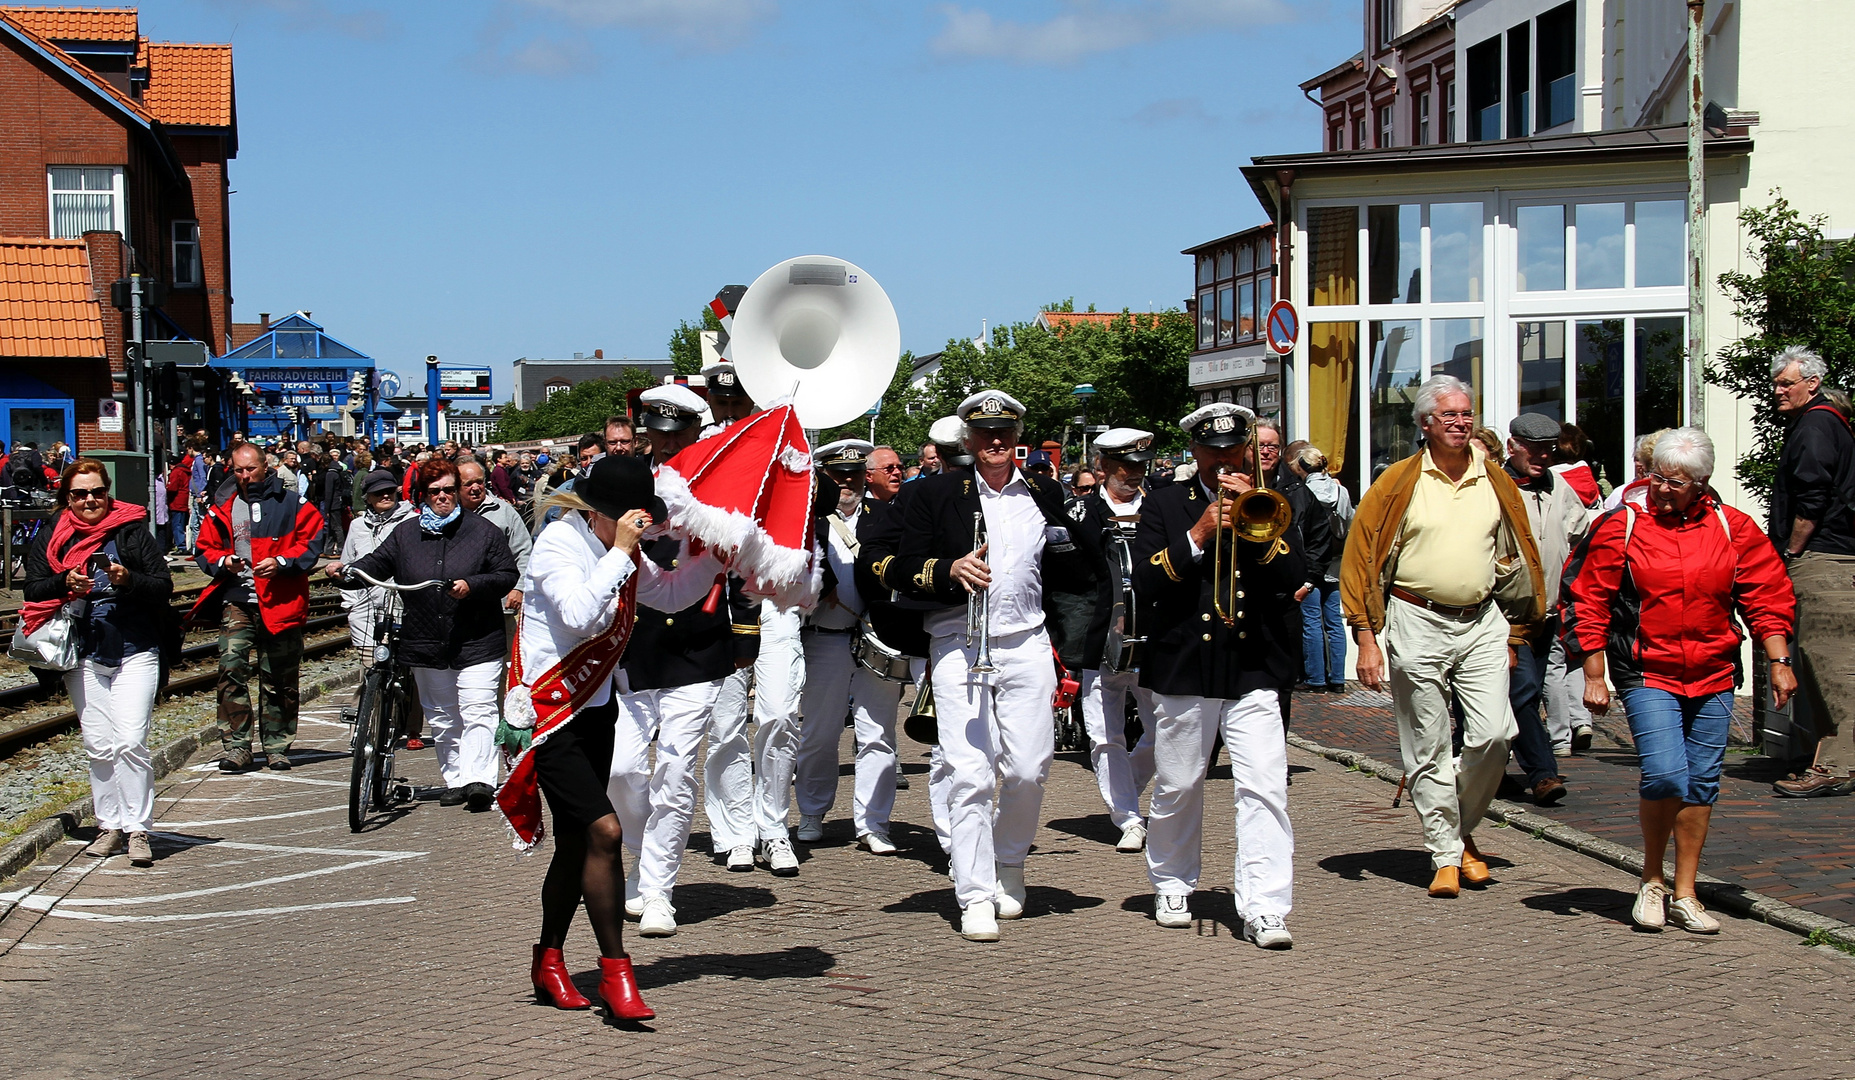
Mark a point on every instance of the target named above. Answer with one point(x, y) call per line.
point(487, 179)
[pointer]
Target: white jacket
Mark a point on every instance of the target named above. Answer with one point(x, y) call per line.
point(573, 587)
point(363, 537)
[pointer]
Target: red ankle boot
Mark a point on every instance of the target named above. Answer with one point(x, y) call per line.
point(552, 982)
point(619, 987)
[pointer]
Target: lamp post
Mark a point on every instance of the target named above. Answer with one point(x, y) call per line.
point(1082, 394)
point(875, 411)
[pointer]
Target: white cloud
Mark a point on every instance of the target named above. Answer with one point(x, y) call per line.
point(1084, 28)
point(702, 24)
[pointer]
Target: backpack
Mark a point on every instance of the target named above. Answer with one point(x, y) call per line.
point(27, 471)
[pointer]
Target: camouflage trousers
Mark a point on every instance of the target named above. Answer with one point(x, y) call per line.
point(278, 658)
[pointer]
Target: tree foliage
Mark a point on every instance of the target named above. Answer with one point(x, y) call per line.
point(686, 343)
point(574, 411)
point(1802, 294)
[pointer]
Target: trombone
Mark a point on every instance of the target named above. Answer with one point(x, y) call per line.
point(1260, 516)
point(979, 613)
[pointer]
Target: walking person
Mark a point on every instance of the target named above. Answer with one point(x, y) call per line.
point(1651, 595)
point(179, 478)
point(99, 552)
point(260, 543)
point(1323, 625)
point(1429, 543)
point(384, 511)
point(452, 638)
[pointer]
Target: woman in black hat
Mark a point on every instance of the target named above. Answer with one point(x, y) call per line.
point(583, 580)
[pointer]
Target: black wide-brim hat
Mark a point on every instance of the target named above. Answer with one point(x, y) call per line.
point(620, 483)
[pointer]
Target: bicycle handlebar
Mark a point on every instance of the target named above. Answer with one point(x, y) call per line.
point(349, 573)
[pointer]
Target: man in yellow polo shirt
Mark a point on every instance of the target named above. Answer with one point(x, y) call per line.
point(1419, 569)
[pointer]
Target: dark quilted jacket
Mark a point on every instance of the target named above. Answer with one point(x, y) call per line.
point(438, 631)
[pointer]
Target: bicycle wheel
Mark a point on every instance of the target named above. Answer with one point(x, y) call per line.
point(392, 725)
point(363, 784)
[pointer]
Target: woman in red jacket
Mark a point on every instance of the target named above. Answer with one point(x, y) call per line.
point(1653, 588)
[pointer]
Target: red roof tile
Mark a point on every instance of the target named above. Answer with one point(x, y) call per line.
point(1057, 320)
point(76, 24)
point(48, 306)
point(189, 85)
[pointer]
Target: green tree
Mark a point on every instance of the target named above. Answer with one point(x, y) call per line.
point(574, 411)
point(686, 343)
point(1803, 293)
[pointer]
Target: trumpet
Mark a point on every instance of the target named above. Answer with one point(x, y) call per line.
point(1259, 516)
point(979, 613)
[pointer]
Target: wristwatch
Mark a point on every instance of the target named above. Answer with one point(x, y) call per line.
point(1785, 660)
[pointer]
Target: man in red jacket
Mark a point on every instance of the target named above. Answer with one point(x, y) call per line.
point(260, 545)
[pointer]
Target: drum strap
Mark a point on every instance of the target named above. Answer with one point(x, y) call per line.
point(842, 529)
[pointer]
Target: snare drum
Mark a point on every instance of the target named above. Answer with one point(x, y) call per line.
point(879, 659)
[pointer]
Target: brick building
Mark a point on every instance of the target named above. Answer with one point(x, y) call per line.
point(120, 145)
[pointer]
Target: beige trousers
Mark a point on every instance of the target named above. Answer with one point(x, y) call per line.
point(1433, 660)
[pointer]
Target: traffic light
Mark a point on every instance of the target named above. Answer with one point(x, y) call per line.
point(164, 391)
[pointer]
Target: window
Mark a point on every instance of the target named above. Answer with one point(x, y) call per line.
point(1519, 81)
point(1484, 62)
point(1384, 126)
point(1420, 131)
point(1557, 63)
point(1226, 315)
point(1207, 319)
point(1333, 263)
point(1448, 134)
point(1336, 135)
point(1246, 308)
point(187, 271)
point(1599, 259)
point(1541, 254)
point(1455, 252)
point(1231, 303)
point(1359, 131)
point(1542, 368)
point(1226, 264)
point(85, 200)
point(1394, 249)
point(1661, 243)
point(1397, 372)
point(1384, 21)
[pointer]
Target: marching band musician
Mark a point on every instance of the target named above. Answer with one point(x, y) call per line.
point(834, 679)
point(1121, 461)
point(671, 675)
point(995, 726)
point(1208, 677)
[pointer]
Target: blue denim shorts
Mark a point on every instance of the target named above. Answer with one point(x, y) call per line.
point(1681, 741)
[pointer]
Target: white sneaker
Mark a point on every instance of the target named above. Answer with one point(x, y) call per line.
point(634, 904)
point(659, 918)
point(811, 828)
point(1011, 892)
point(1133, 838)
point(979, 922)
point(741, 858)
point(778, 857)
point(876, 843)
point(1268, 932)
point(1651, 908)
point(1690, 916)
point(1172, 909)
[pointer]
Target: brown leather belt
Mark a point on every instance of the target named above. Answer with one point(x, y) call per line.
point(1450, 610)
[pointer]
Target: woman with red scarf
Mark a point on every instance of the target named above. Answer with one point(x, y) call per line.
point(99, 556)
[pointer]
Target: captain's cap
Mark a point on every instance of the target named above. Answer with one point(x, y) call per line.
point(670, 408)
point(1219, 424)
point(845, 455)
point(991, 409)
point(945, 431)
point(1126, 444)
point(723, 380)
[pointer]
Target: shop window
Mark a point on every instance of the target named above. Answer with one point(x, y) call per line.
point(1519, 82)
point(1601, 393)
point(1333, 400)
point(1541, 248)
point(1484, 76)
point(1542, 368)
point(1557, 64)
point(86, 200)
point(1600, 245)
point(1455, 252)
point(1397, 372)
point(1660, 346)
point(1333, 243)
point(1395, 273)
point(1661, 243)
point(1456, 349)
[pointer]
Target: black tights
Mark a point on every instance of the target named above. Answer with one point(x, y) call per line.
point(586, 865)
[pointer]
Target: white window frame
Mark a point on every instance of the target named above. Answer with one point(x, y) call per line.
point(119, 201)
point(175, 243)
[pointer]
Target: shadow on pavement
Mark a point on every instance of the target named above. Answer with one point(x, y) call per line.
point(1404, 865)
point(931, 902)
point(703, 900)
point(1095, 827)
point(1217, 907)
point(798, 962)
point(1612, 904)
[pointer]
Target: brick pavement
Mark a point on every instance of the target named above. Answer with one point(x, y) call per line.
point(1801, 851)
point(246, 952)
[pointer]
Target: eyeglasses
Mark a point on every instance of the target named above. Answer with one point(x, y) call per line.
point(1455, 417)
point(1672, 485)
point(433, 492)
point(1786, 384)
point(897, 467)
point(1084, 489)
point(86, 494)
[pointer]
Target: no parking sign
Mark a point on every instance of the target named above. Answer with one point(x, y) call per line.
point(1283, 328)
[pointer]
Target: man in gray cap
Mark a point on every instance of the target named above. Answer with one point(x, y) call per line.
point(1557, 519)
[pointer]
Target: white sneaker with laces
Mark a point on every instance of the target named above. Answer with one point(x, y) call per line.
point(1651, 908)
point(778, 856)
point(979, 922)
point(811, 828)
point(1687, 914)
point(741, 858)
point(1133, 838)
point(876, 843)
point(1268, 932)
point(1172, 909)
point(1010, 892)
point(634, 904)
point(659, 918)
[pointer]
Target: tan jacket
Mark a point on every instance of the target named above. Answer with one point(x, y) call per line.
point(1377, 530)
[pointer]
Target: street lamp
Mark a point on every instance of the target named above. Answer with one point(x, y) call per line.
point(1082, 394)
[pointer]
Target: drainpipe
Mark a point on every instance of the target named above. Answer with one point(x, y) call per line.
point(1284, 286)
point(1697, 211)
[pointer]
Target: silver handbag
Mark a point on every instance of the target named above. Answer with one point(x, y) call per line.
point(53, 646)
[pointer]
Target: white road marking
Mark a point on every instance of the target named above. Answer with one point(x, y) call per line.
point(166, 824)
point(379, 858)
point(61, 913)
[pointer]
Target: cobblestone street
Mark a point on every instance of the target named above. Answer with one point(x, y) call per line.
point(268, 941)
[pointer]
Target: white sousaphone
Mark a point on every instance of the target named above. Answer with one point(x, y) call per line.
point(820, 331)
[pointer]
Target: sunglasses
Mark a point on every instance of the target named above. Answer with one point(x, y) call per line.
point(435, 491)
point(86, 494)
point(1084, 489)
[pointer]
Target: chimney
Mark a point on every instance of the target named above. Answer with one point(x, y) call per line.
point(598, 354)
point(264, 319)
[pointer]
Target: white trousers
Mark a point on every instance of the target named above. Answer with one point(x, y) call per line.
point(1564, 697)
point(779, 679)
point(728, 774)
point(940, 780)
point(1429, 656)
point(656, 806)
point(998, 733)
point(115, 706)
point(1122, 774)
point(1258, 749)
point(835, 684)
point(460, 718)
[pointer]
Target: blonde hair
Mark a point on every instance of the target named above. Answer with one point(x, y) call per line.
point(565, 500)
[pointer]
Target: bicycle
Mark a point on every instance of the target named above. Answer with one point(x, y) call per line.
point(379, 715)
